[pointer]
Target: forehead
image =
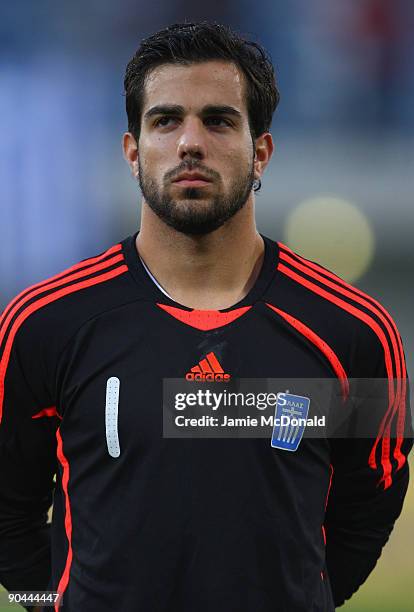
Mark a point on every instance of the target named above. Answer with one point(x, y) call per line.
point(196, 85)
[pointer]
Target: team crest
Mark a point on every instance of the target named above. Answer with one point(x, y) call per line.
point(290, 420)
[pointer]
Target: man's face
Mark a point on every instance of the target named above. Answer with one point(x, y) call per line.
point(195, 151)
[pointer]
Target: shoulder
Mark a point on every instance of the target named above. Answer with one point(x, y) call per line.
point(362, 328)
point(54, 307)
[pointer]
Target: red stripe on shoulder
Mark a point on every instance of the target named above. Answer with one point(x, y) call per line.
point(78, 266)
point(40, 303)
point(345, 292)
point(97, 268)
point(339, 281)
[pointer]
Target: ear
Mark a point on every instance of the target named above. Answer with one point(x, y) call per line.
point(264, 148)
point(130, 148)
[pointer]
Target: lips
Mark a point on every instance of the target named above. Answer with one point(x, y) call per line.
point(192, 179)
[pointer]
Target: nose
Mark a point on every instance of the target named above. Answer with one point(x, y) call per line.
point(191, 141)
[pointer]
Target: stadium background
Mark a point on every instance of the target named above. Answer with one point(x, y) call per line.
point(339, 189)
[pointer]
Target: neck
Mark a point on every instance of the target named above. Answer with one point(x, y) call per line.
point(213, 271)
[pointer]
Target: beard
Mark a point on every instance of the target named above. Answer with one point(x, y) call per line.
point(191, 214)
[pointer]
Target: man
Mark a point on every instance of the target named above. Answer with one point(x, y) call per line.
point(145, 522)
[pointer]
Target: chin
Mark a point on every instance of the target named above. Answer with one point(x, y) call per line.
point(204, 204)
point(195, 230)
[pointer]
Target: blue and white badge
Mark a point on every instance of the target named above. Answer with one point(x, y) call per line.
point(290, 420)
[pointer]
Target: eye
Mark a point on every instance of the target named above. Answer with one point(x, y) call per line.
point(164, 121)
point(217, 121)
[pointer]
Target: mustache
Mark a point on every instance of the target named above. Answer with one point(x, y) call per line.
point(190, 166)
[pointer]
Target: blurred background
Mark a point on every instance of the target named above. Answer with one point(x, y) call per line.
point(339, 189)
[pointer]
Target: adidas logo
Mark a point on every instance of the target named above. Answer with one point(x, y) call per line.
point(208, 368)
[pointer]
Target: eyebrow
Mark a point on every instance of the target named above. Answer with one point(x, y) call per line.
point(211, 109)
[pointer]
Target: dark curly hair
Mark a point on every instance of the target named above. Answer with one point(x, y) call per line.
point(189, 43)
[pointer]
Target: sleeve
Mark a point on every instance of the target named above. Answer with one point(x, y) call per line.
point(27, 462)
point(369, 483)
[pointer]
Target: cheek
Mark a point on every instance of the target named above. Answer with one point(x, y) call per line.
point(155, 159)
point(238, 160)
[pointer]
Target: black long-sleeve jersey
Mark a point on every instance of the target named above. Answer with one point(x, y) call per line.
point(144, 522)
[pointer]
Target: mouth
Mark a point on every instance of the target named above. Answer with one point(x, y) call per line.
point(192, 180)
point(192, 183)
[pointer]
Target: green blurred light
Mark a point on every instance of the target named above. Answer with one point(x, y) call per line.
point(334, 232)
